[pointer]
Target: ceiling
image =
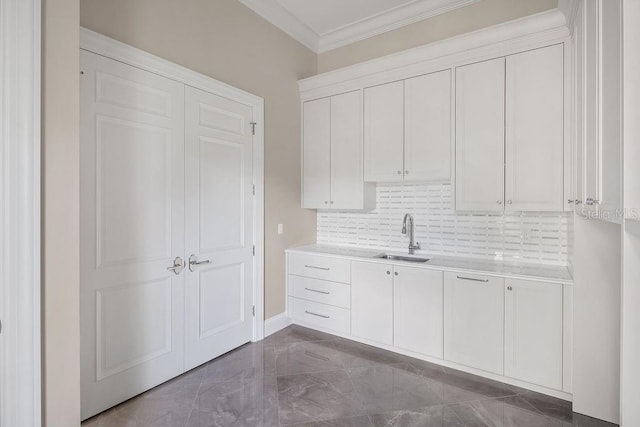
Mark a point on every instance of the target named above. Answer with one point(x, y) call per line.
point(322, 25)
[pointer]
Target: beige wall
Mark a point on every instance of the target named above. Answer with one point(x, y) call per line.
point(60, 203)
point(470, 18)
point(225, 40)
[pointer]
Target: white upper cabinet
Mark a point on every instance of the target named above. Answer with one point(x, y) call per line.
point(598, 98)
point(533, 332)
point(316, 154)
point(534, 130)
point(479, 183)
point(510, 133)
point(407, 126)
point(427, 127)
point(384, 132)
point(332, 154)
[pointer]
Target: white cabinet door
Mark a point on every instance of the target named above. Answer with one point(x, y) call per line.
point(417, 310)
point(316, 154)
point(372, 301)
point(533, 332)
point(384, 132)
point(347, 180)
point(534, 130)
point(219, 225)
point(474, 321)
point(427, 143)
point(479, 183)
point(579, 105)
point(132, 229)
point(610, 108)
point(590, 153)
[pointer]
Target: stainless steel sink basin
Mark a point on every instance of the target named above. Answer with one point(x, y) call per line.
point(402, 258)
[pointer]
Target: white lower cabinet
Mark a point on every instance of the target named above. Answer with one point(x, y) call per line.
point(474, 321)
point(417, 310)
point(518, 329)
point(533, 332)
point(372, 301)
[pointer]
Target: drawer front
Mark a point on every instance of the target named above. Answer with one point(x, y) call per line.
point(322, 291)
point(321, 315)
point(319, 267)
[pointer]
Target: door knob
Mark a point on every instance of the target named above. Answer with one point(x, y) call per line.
point(178, 266)
point(193, 262)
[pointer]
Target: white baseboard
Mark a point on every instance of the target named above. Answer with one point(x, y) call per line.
point(276, 323)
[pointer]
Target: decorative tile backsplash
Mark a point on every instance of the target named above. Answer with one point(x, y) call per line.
point(524, 237)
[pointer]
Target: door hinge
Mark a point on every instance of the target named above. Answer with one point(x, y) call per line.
point(253, 310)
point(254, 250)
point(253, 128)
point(254, 189)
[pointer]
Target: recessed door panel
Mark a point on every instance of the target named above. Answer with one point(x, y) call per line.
point(221, 194)
point(134, 170)
point(221, 298)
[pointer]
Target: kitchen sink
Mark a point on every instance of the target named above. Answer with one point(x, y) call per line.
point(402, 258)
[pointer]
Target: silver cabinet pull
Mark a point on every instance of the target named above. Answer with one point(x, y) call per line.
point(499, 202)
point(178, 266)
point(320, 292)
point(193, 262)
point(318, 268)
point(509, 288)
point(316, 314)
point(406, 172)
point(473, 279)
point(388, 272)
point(395, 273)
point(509, 202)
point(399, 172)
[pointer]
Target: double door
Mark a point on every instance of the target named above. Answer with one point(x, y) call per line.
point(166, 229)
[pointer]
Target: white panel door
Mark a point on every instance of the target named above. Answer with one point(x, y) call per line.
point(372, 301)
point(132, 229)
point(418, 310)
point(384, 132)
point(316, 154)
point(427, 128)
point(474, 321)
point(579, 106)
point(219, 225)
point(479, 183)
point(347, 185)
point(534, 137)
point(533, 332)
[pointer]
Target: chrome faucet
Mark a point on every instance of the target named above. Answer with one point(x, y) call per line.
point(408, 220)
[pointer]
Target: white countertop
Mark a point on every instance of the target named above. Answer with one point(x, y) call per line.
point(529, 271)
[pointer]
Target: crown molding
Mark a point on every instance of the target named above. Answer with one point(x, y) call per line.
point(387, 21)
point(278, 15)
point(273, 12)
point(498, 40)
point(569, 9)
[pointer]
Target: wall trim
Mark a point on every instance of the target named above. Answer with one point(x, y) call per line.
point(106, 46)
point(276, 323)
point(533, 31)
point(20, 276)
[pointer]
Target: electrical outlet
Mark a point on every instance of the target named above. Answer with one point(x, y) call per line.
point(280, 228)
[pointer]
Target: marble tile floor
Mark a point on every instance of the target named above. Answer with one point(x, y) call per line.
point(301, 377)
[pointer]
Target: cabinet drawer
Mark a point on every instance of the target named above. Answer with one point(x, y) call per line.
point(321, 315)
point(322, 291)
point(319, 267)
